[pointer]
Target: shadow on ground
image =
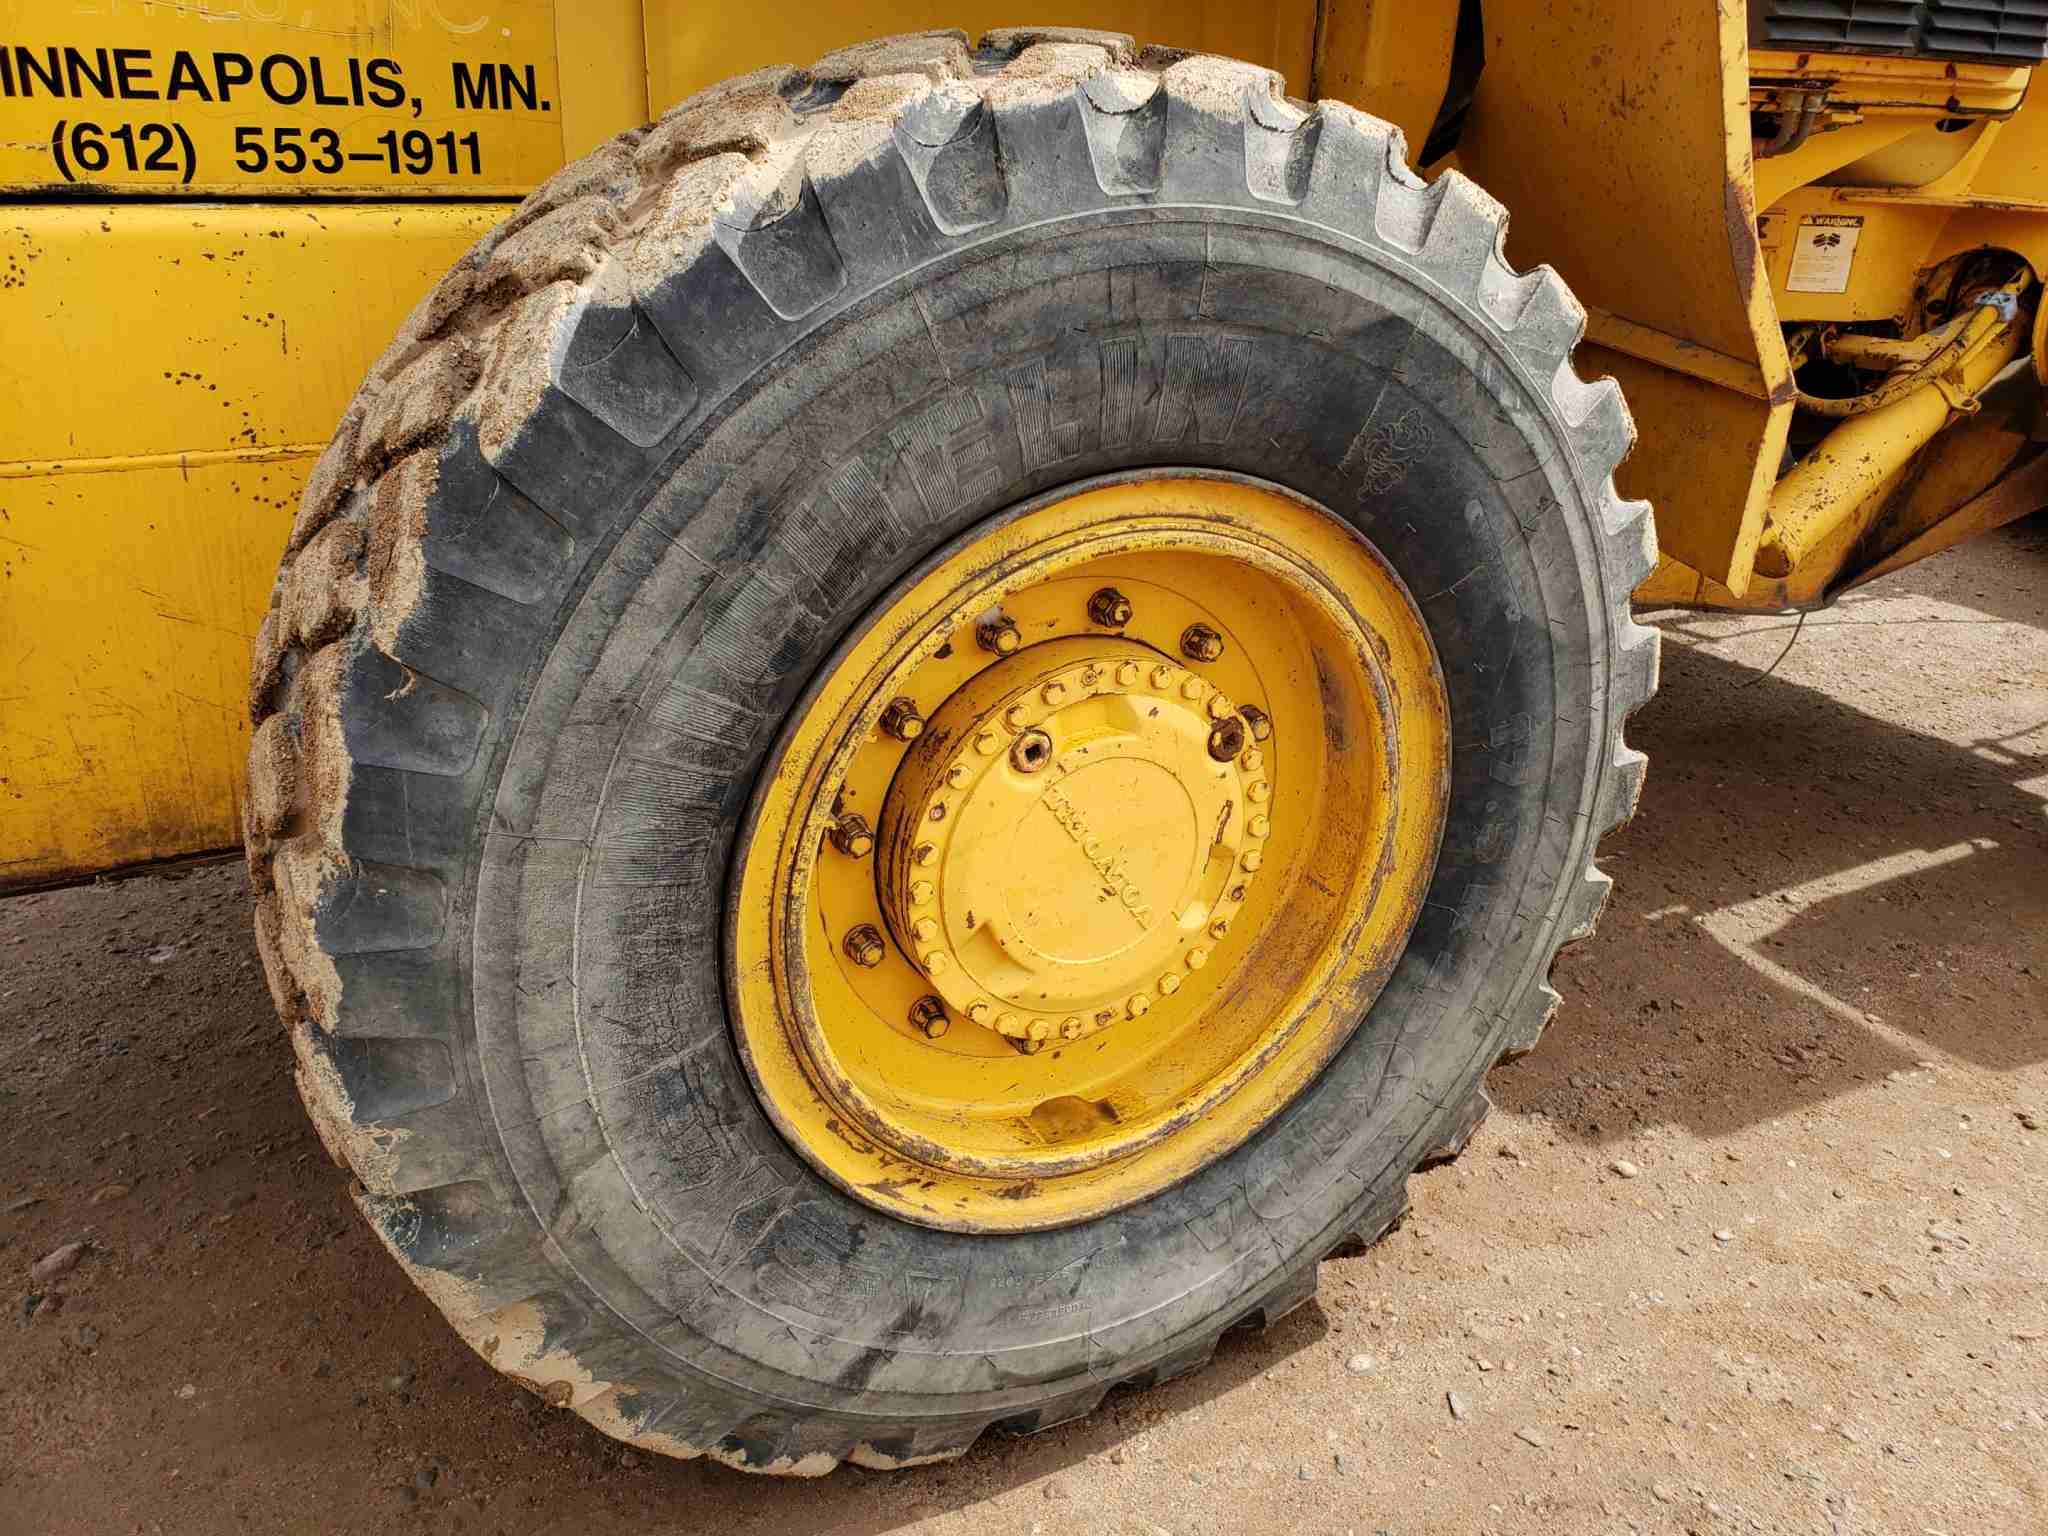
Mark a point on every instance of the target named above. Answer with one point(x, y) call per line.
point(1813, 895)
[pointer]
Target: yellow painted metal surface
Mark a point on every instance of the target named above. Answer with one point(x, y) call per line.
point(171, 372)
point(1843, 479)
point(690, 46)
point(1117, 897)
point(310, 97)
point(1618, 136)
point(1392, 54)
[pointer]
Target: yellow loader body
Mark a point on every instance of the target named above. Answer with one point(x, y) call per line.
point(217, 214)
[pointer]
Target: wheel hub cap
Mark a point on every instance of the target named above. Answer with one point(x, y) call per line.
point(1063, 846)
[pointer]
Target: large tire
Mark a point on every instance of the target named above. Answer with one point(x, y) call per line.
point(612, 497)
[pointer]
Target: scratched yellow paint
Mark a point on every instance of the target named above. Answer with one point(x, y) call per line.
point(171, 371)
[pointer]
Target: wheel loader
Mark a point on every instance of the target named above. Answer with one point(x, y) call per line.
point(927, 715)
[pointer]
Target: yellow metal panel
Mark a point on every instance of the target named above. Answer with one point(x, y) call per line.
point(1618, 136)
point(1391, 57)
point(603, 55)
point(158, 411)
point(169, 328)
point(298, 98)
point(690, 46)
point(127, 602)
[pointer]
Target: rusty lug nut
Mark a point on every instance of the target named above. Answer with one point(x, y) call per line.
point(1198, 642)
point(928, 1017)
point(902, 720)
point(1032, 752)
point(998, 635)
point(1226, 739)
point(1109, 608)
point(853, 837)
point(1258, 720)
point(864, 946)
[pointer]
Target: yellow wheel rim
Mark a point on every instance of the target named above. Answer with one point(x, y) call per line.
point(1087, 852)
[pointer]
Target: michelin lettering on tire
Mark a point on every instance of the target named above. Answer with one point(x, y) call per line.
point(614, 493)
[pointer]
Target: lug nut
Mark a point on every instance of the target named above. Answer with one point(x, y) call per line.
point(1127, 674)
point(998, 635)
point(864, 946)
point(928, 1017)
point(1198, 642)
point(924, 930)
point(1257, 719)
point(1054, 693)
point(1138, 1005)
point(923, 854)
point(1032, 752)
point(852, 836)
point(1109, 608)
point(921, 891)
point(1226, 739)
point(902, 720)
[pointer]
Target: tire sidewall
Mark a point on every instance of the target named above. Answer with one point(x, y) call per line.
point(1192, 338)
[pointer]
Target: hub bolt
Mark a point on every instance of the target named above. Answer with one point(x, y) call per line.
point(1198, 642)
point(928, 1017)
point(1032, 752)
point(1138, 1005)
point(852, 836)
point(1226, 739)
point(1109, 608)
point(998, 635)
point(1127, 674)
point(1260, 722)
point(864, 946)
point(1054, 693)
point(902, 720)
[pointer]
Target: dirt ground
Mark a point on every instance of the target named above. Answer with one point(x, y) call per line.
point(1757, 1240)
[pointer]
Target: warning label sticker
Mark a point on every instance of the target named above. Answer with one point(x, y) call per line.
point(1823, 253)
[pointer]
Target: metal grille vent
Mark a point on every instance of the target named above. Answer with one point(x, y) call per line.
point(2015, 30)
point(2000, 31)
